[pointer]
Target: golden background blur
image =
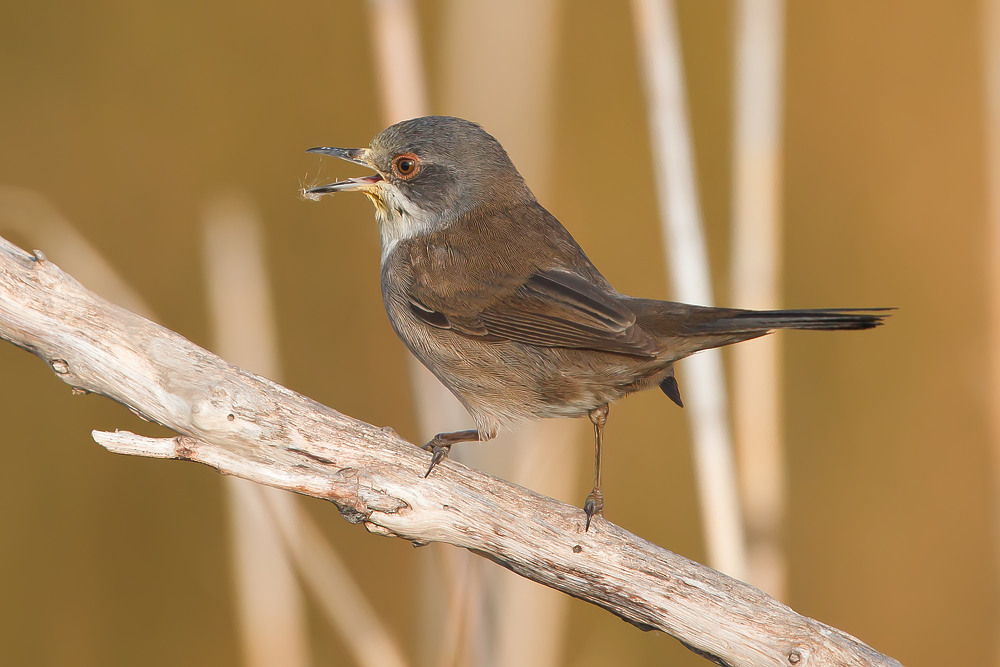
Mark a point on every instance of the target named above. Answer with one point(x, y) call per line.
point(131, 116)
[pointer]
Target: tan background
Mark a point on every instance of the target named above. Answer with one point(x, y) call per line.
point(130, 116)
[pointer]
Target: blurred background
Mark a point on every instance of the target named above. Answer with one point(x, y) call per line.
point(133, 133)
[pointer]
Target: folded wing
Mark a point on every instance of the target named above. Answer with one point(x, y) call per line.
point(550, 309)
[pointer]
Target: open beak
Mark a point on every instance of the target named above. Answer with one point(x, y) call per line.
point(355, 155)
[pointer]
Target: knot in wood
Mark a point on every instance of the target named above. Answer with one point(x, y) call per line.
point(59, 366)
point(184, 446)
point(213, 410)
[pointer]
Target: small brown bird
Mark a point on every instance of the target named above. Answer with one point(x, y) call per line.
point(492, 294)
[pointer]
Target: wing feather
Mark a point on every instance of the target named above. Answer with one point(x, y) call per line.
point(550, 309)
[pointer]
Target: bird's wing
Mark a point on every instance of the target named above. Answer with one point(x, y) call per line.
point(549, 309)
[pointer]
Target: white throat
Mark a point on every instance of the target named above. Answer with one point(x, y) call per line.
point(399, 219)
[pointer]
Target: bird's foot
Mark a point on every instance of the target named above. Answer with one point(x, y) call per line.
point(438, 453)
point(440, 444)
point(593, 506)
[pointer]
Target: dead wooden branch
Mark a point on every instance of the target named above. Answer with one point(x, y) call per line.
point(247, 426)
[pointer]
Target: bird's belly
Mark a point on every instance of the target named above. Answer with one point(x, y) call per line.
point(488, 378)
point(503, 382)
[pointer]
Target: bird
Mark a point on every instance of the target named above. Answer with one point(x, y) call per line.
point(497, 299)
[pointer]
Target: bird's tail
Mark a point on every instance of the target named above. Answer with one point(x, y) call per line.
point(727, 321)
point(684, 329)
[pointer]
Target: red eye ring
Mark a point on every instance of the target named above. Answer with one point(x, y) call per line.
point(406, 165)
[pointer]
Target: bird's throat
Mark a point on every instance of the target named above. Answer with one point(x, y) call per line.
point(399, 219)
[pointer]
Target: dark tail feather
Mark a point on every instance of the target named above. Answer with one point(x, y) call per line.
point(701, 328)
point(827, 319)
point(673, 392)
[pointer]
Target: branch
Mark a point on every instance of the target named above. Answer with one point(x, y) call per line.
point(245, 425)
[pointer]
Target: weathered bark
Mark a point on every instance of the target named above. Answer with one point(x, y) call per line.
point(248, 426)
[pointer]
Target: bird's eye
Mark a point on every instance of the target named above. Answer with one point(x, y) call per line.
point(406, 165)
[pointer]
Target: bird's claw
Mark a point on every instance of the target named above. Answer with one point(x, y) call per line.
point(438, 452)
point(594, 505)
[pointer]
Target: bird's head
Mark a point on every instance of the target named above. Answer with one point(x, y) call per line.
point(428, 172)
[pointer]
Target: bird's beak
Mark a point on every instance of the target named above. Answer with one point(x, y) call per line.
point(355, 155)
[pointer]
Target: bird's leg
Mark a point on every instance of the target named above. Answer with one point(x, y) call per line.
point(595, 501)
point(440, 444)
